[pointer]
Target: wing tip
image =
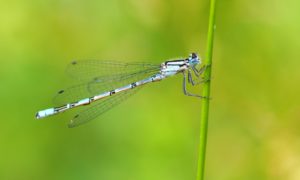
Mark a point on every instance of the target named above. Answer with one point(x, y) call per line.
point(72, 123)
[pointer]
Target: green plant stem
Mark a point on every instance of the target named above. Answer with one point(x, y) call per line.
point(206, 92)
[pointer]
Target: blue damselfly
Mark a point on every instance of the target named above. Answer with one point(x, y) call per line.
point(106, 83)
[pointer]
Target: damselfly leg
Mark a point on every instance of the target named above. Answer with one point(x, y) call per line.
point(200, 71)
point(199, 79)
point(197, 73)
point(184, 84)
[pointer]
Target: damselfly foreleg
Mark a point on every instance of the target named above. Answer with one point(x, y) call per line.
point(199, 79)
point(200, 71)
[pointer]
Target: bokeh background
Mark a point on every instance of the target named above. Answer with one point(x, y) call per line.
point(255, 111)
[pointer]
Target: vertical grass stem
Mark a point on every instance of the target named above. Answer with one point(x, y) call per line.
point(206, 93)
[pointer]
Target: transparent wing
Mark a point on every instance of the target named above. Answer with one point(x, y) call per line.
point(95, 82)
point(100, 108)
point(119, 80)
point(87, 70)
point(71, 94)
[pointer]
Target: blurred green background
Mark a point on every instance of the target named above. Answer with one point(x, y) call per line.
point(255, 110)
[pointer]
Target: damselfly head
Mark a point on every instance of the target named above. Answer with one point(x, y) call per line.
point(194, 59)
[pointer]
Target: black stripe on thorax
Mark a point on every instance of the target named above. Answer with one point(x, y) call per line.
point(175, 60)
point(167, 62)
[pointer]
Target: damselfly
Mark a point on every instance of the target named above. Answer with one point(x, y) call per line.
point(105, 84)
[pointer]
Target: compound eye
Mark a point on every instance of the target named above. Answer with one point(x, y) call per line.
point(194, 55)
